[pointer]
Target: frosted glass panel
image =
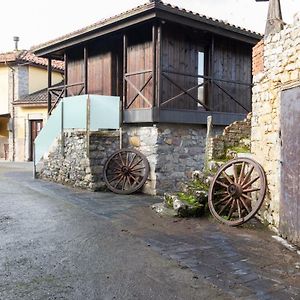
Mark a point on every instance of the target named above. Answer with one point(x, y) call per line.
point(105, 112)
point(75, 112)
point(49, 133)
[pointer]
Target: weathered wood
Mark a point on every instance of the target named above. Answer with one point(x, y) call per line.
point(85, 69)
point(159, 59)
point(125, 45)
point(154, 63)
point(137, 94)
point(66, 74)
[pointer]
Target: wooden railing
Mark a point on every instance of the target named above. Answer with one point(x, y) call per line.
point(139, 91)
point(214, 82)
point(61, 91)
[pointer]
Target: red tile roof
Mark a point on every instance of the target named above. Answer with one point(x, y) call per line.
point(24, 56)
point(140, 9)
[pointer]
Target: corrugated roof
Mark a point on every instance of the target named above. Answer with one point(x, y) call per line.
point(142, 8)
point(39, 97)
point(24, 56)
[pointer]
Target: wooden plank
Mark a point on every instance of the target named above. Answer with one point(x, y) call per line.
point(125, 45)
point(85, 69)
point(66, 74)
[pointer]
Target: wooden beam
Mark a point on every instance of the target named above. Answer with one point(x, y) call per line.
point(125, 45)
point(85, 69)
point(159, 66)
point(49, 72)
point(66, 74)
point(154, 64)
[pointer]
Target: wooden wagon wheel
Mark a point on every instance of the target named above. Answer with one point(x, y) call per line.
point(126, 171)
point(237, 191)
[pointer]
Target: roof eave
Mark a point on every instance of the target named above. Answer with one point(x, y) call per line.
point(203, 23)
point(160, 11)
point(114, 26)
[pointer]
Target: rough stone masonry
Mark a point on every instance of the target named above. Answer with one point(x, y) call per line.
point(276, 66)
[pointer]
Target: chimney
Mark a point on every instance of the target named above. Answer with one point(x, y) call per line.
point(16, 40)
point(274, 20)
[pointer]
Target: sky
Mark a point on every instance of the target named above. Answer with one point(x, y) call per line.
point(36, 21)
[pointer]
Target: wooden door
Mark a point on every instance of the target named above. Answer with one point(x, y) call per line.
point(35, 128)
point(290, 174)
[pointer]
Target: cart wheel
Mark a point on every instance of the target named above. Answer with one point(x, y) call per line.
point(126, 171)
point(237, 191)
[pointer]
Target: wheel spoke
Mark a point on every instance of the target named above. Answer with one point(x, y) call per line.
point(239, 208)
point(252, 190)
point(119, 181)
point(248, 175)
point(221, 183)
point(225, 206)
point(231, 209)
point(247, 197)
point(134, 179)
point(121, 160)
point(250, 182)
point(133, 158)
point(245, 205)
point(242, 172)
point(117, 162)
point(138, 169)
point(227, 177)
point(115, 178)
point(222, 200)
point(132, 167)
point(124, 183)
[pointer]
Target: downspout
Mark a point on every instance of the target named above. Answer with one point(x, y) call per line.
point(12, 109)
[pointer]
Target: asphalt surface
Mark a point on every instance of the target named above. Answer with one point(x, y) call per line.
point(62, 243)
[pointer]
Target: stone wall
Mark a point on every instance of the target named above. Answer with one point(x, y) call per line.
point(174, 152)
point(236, 134)
point(80, 162)
point(281, 69)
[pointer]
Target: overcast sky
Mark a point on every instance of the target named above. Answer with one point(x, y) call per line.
point(36, 21)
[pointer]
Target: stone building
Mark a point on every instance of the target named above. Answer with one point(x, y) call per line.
point(275, 125)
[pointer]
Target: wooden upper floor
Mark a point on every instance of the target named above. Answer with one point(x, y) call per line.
point(166, 64)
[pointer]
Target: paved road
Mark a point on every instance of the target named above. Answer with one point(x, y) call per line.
point(61, 243)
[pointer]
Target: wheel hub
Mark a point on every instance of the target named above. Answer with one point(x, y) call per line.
point(125, 170)
point(235, 190)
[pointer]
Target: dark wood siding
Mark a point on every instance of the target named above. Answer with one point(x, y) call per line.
point(75, 70)
point(139, 58)
point(232, 61)
point(100, 73)
point(180, 54)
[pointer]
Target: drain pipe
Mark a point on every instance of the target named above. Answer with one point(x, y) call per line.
point(12, 109)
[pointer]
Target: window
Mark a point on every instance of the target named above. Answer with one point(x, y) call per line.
point(201, 57)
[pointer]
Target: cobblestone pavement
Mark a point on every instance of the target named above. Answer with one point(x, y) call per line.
point(62, 243)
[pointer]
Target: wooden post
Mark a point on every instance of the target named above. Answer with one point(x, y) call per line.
point(85, 69)
point(154, 65)
point(125, 44)
point(49, 71)
point(208, 143)
point(88, 125)
point(159, 66)
point(66, 75)
point(211, 70)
